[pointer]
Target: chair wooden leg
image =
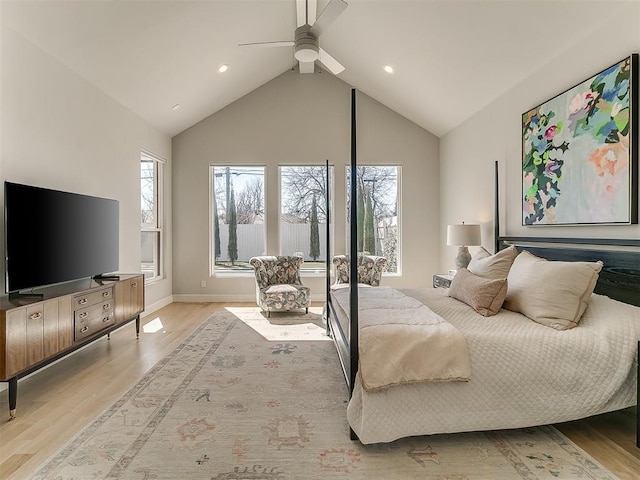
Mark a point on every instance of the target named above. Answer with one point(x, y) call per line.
point(306, 310)
point(268, 313)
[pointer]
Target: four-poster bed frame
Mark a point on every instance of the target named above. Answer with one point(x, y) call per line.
point(619, 278)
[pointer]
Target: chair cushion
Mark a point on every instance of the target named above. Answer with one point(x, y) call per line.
point(284, 288)
point(284, 297)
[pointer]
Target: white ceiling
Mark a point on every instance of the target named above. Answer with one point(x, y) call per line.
point(451, 57)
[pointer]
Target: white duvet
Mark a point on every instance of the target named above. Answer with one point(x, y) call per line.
point(404, 341)
point(522, 374)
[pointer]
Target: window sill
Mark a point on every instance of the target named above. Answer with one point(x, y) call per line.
point(232, 274)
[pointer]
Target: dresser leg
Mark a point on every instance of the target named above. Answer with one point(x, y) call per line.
point(138, 326)
point(13, 397)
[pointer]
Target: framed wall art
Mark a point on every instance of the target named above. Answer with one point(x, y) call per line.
point(580, 152)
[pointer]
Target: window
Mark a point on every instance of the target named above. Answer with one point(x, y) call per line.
point(237, 206)
point(303, 214)
point(378, 213)
point(151, 216)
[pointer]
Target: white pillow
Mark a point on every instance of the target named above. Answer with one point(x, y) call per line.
point(495, 267)
point(552, 293)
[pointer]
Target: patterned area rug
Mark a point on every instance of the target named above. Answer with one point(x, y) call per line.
point(251, 398)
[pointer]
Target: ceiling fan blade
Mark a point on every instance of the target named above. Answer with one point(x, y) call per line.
point(328, 15)
point(306, 67)
point(306, 11)
point(284, 43)
point(329, 62)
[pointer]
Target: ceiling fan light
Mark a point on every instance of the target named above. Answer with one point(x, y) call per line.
point(306, 52)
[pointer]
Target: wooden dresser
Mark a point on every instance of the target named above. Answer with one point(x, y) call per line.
point(41, 328)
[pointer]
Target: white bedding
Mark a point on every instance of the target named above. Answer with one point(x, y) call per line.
point(404, 341)
point(522, 374)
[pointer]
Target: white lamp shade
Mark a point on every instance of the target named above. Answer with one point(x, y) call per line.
point(463, 235)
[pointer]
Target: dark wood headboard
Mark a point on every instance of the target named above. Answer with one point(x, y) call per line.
point(620, 275)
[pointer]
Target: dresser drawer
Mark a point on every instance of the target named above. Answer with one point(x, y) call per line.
point(94, 311)
point(93, 319)
point(83, 301)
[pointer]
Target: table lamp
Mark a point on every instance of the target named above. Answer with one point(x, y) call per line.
point(462, 236)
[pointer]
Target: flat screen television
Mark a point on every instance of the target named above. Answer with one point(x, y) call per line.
point(53, 236)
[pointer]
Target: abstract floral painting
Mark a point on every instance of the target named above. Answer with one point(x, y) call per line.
point(579, 152)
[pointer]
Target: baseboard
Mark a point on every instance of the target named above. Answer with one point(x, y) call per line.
point(149, 309)
point(213, 298)
point(228, 298)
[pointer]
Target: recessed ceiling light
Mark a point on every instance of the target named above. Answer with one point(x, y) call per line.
point(388, 68)
point(223, 68)
point(176, 106)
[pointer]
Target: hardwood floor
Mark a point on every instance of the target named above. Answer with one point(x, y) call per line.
point(55, 403)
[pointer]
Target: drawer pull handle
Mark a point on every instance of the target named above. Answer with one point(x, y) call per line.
point(134, 284)
point(35, 316)
point(105, 294)
point(106, 306)
point(83, 315)
point(82, 301)
point(105, 319)
point(84, 329)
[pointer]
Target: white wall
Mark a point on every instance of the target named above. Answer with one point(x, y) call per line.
point(468, 153)
point(300, 119)
point(58, 131)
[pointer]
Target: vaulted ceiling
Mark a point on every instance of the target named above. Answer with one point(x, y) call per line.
point(450, 57)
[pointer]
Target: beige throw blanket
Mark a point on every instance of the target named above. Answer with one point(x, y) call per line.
point(403, 341)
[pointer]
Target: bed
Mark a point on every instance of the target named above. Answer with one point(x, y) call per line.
point(523, 373)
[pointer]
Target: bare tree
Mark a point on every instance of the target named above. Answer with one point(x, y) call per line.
point(382, 184)
point(300, 185)
point(147, 197)
point(250, 202)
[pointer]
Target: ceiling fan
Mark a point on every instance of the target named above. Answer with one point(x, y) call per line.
point(306, 47)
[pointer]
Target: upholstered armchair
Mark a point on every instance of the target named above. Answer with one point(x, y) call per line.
point(278, 285)
point(370, 268)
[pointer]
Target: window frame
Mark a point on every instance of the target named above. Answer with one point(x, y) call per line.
point(158, 211)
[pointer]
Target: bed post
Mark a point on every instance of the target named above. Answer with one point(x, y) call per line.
point(496, 214)
point(353, 264)
point(328, 243)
